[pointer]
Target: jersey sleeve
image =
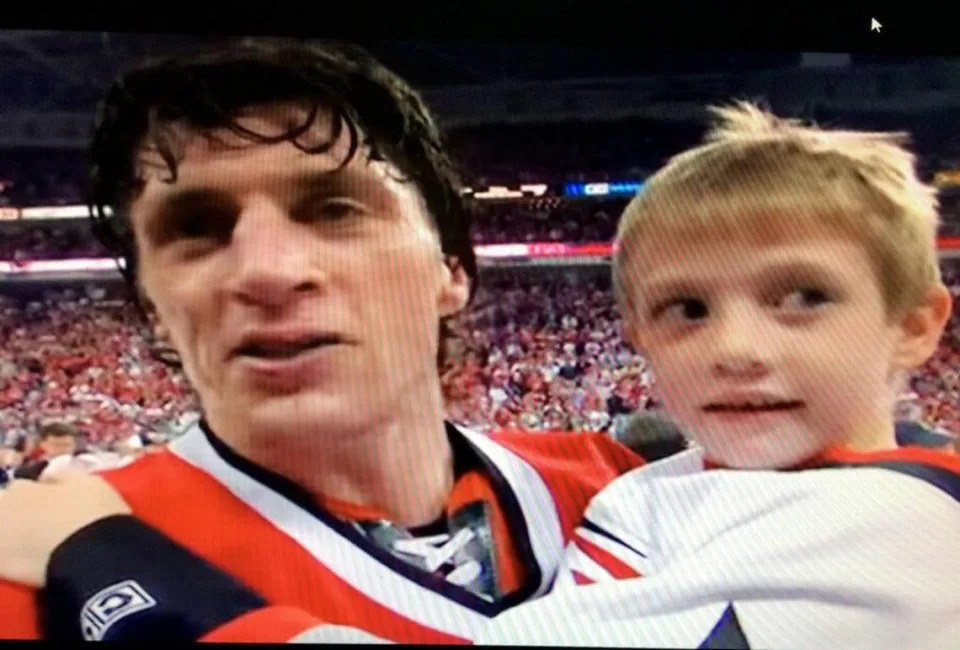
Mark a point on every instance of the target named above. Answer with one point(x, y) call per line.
point(120, 580)
point(867, 565)
point(19, 614)
point(270, 624)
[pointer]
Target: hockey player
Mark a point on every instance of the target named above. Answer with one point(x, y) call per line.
point(289, 217)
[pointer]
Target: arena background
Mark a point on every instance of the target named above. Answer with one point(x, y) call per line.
point(553, 142)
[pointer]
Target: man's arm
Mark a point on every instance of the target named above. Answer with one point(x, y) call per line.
point(109, 576)
point(118, 579)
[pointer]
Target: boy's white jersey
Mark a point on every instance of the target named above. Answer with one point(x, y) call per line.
point(856, 553)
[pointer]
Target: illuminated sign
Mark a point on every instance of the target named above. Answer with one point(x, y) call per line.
point(620, 188)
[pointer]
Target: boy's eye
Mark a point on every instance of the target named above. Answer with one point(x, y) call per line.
point(807, 298)
point(683, 309)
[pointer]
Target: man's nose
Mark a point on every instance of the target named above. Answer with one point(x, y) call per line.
point(273, 256)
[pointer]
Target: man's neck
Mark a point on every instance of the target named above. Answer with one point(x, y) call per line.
point(401, 467)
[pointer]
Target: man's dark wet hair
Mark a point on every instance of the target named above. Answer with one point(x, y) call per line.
point(381, 114)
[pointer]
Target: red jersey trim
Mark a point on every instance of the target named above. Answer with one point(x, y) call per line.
point(268, 625)
point(608, 561)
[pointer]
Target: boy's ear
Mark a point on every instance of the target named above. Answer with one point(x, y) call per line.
point(922, 327)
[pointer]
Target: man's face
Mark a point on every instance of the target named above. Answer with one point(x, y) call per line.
point(765, 351)
point(295, 296)
point(53, 446)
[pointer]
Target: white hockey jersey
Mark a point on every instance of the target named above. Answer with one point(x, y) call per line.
point(857, 551)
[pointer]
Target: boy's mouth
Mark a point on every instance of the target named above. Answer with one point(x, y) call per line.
point(753, 406)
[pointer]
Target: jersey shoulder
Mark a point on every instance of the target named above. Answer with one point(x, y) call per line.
point(934, 467)
point(574, 451)
point(574, 466)
point(147, 472)
point(166, 491)
point(19, 614)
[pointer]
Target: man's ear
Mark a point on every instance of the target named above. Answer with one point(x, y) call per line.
point(921, 328)
point(454, 287)
point(161, 332)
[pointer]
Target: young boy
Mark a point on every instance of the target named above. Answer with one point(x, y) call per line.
point(780, 279)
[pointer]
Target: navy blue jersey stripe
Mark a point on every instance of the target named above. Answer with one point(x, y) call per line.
point(592, 527)
point(727, 634)
point(938, 477)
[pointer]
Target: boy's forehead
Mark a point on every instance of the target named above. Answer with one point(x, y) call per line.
point(715, 257)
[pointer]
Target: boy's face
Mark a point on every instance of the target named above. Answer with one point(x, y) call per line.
point(768, 351)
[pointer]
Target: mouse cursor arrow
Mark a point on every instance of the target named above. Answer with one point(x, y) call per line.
point(875, 25)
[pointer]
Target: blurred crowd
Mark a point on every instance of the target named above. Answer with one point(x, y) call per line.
point(74, 358)
point(540, 352)
point(21, 242)
point(546, 220)
point(544, 354)
point(543, 219)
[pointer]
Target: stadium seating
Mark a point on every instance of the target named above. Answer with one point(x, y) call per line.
point(531, 352)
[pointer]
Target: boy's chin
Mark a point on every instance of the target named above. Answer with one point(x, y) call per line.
point(762, 452)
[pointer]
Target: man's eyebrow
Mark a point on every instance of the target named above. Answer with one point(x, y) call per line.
point(181, 201)
point(328, 178)
point(190, 197)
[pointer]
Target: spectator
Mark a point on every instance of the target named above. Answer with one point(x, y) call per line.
point(57, 439)
point(653, 436)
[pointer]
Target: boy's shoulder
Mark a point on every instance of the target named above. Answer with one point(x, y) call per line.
point(868, 487)
point(933, 467)
point(861, 507)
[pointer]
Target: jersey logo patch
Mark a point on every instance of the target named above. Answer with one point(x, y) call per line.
point(110, 605)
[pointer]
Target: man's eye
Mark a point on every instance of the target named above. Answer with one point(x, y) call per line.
point(804, 299)
point(336, 210)
point(193, 226)
point(682, 309)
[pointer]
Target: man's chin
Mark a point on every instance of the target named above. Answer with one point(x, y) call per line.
point(300, 410)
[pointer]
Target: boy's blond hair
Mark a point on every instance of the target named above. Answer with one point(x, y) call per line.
point(759, 174)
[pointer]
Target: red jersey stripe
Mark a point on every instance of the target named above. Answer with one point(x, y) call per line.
point(614, 565)
point(581, 579)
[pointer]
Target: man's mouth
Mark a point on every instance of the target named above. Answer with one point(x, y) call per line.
point(284, 349)
point(759, 406)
